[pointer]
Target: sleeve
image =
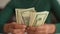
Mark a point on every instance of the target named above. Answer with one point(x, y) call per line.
point(5, 14)
point(55, 5)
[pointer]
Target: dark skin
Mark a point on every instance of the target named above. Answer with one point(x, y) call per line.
point(21, 28)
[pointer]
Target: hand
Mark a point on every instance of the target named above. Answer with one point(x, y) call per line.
point(14, 28)
point(43, 29)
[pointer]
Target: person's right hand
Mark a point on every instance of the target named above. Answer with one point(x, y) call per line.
point(14, 28)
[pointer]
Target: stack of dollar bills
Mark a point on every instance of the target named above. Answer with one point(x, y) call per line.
point(30, 16)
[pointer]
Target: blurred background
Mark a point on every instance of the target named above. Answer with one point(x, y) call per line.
point(3, 3)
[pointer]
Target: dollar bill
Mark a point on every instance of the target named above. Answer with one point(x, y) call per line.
point(40, 18)
point(23, 15)
point(18, 17)
point(32, 18)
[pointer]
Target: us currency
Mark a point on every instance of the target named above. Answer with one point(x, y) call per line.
point(18, 17)
point(40, 18)
point(32, 18)
point(23, 15)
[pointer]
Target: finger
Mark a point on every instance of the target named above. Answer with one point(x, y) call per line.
point(41, 32)
point(31, 28)
point(15, 25)
point(17, 30)
point(18, 26)
point(18, 33)
point(38, 32)
point(30, 33)
point(42, 28)
point(6, 27)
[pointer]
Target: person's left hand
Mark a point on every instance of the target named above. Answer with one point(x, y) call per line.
point(43, 29)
